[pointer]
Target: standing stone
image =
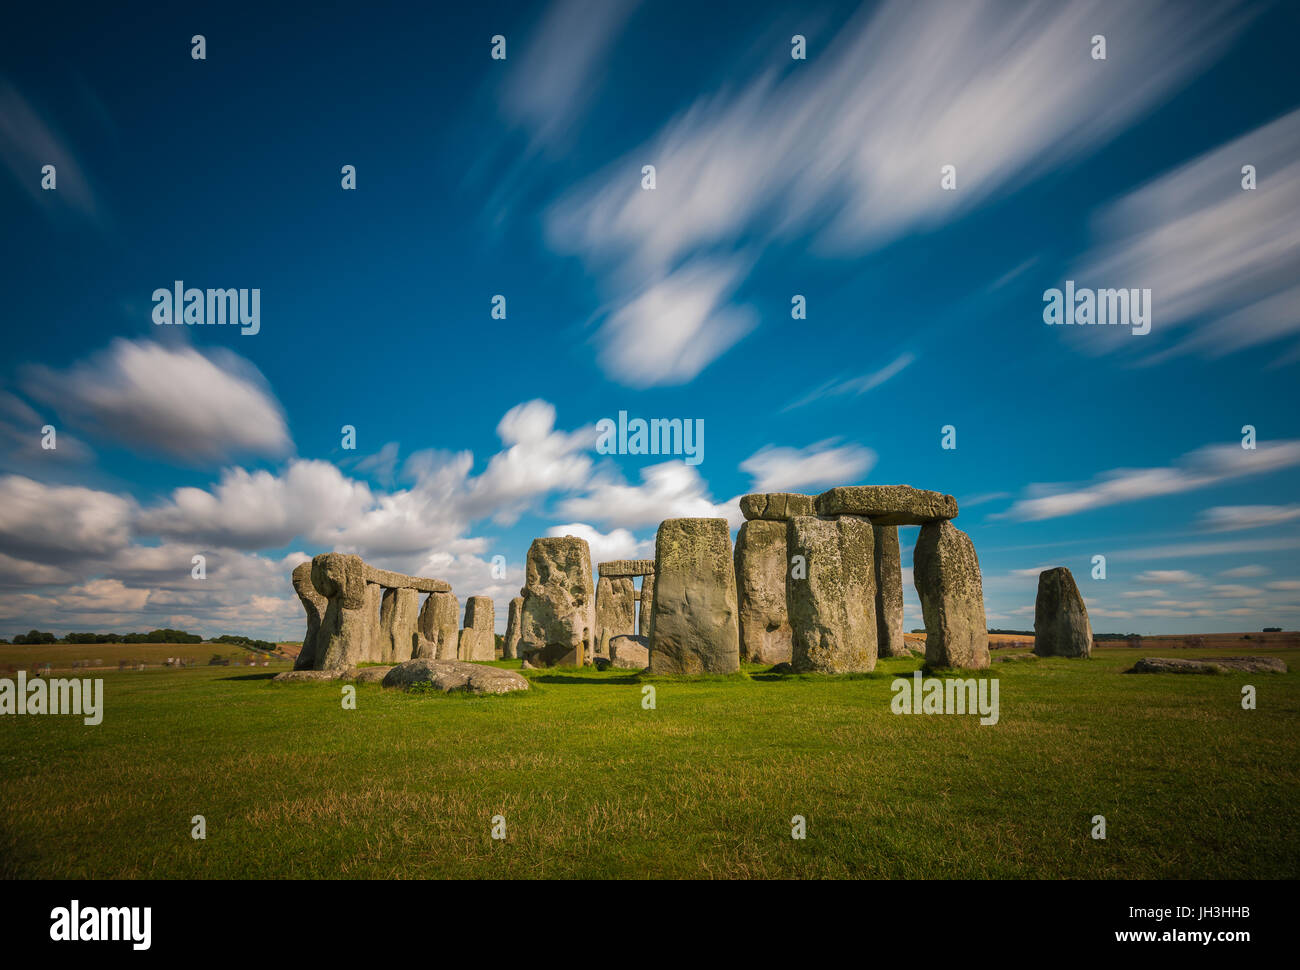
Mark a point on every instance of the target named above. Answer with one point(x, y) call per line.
point(480, 617)
point(1061, 627)
point(947, 574)
point(694, 626)
point(833, 607)
point(398, 615)
point(439, 625)
point(761, 567)
point(315, 605)
point(349, 630)
point(647, 593)
point(615, 611)
point(514, 620)
point(466, 643)
point(559, 613)
point(889, 593)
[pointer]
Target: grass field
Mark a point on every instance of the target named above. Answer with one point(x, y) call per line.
point(705, 785)
point(61, 656)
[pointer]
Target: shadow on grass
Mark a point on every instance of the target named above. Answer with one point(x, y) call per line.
point(632, 678)
point(251, 676)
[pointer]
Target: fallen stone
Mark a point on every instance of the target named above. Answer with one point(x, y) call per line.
point(630, 653)
point(947, 575)
point(626, 567)
point(366, 675)
point(888, 504)
point(833, 607)
point(694, 626)
point(761, 566)
point(315, 605)
point(302, 676)
point(455, 675)
point(559, 612)
point(1061, 627)
point(615, 611)
point(889, 593)
point(1209, 665)
point(775, 506)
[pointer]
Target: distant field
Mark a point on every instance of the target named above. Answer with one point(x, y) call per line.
point(62, 655)
point(1178, 641)
point(705, 785)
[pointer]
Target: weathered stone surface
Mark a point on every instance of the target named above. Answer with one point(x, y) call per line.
point(888, 504)
point(761, 567)
point(889, 593)
point(626, 567)
point(694, 624)
point(392, 580)
point(349, 631)
point(832, 608)
point(630, 652)
point(514, 627)
point(302, 676)
point(615, 611)
point(1061, 627)
point(439, 625)
point(647, 600)
point(398, 616)
point(775, 506)
point(947, 575)
point(450, 675)
point(559, 613)
point(314, 604)
point(1209, 665)
point(480, 617)
point(366, 675)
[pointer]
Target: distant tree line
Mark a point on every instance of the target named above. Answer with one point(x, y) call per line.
point(153, 636)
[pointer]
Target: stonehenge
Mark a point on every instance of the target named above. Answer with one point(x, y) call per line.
point(694, 628)
point(559, 610)
point(480, 624)
point(814, 582)
point(314, 603)
point(833, 607)
point(947, 575)
point(514, 621)
point(1061, 627)
point(761, 563)
point(367, 615)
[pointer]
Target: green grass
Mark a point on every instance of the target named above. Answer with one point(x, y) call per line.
point(591, 784)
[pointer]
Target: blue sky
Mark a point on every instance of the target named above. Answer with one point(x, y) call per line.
point(523, 177)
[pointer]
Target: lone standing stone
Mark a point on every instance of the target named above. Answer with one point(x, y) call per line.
point(947, 574)
point(439, 625)
point(615, 611)
point(1061, 627)
point(889, 593)
point(559, 613)
point(695, 620)
point(480, 616)
point(833, 607)
point(397, 624)
point(514, 620)
point(761, 567)
point(315, 605)
point(349, 631)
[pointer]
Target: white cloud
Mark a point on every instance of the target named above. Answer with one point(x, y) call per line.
point(1223, 263)
point(1229, 518)
point(1207, 466)
point(1244, 572)
point(172, 400)
point(776, 469)
point(671, 489)
point(605, 546)
point(58, 523)
point(855, 386)
point(1167, 576)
